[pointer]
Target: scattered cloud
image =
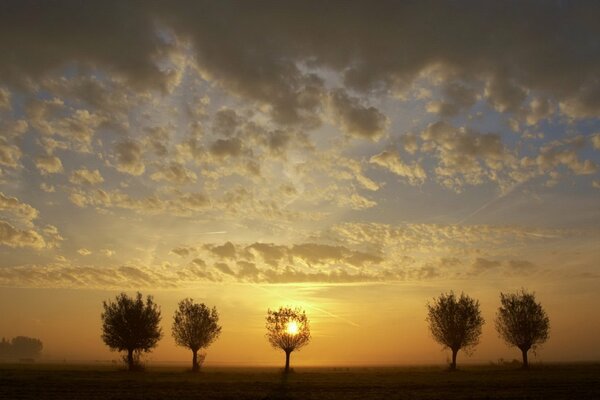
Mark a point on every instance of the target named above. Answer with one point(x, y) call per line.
point(129, 158)
point(49, 165)
point(85, 176)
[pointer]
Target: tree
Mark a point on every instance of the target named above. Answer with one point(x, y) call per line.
point(195, 326)
point(21, 347)
point(129, 324)
point(287, 329)
point(522, 322)
point(455, 322)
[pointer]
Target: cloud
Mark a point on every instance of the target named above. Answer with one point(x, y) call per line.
point(271, 253)
point(356, 119)
point(457, 97)
point(84, 252)
point(16, 207)
point(129, 158)
point(596, 141)
point(52, 236)
point(47, 187)
point(314, 252)
point(482, 265)
point(224, 268)
point(174, 173)
point(226, 250)
point(521, 267)
point(226, 148)
point(563, 152)
point(183, 251)
point(5, 96)
point(225, 122)
point(84, 176)
point(510, 56)
point(13, 237)
point(465, 156)
point(53, 117)
point(391, 160)
point(108, 252)
point(10, 154)
point(128, 30)
point(247, 271)
point(48, 164)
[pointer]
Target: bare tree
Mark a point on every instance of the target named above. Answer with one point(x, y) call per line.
point(195, 326)
point(455, 322)
point(129, 324)
point(288, 329)
point(522, 322)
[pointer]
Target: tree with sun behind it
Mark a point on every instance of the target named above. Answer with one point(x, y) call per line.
point(287, 329)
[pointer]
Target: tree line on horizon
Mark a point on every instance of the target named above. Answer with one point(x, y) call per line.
point(131, 325)
point(20, 348)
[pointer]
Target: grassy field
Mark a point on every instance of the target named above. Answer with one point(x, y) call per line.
point(557, 381)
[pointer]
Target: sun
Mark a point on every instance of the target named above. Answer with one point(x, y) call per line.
point(292, 328)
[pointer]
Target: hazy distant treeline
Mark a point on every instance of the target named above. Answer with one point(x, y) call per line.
point(20, 347)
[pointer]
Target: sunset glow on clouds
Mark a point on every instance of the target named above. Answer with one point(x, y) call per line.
point(179, 145)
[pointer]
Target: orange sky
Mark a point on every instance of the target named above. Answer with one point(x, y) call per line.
point(350, 324)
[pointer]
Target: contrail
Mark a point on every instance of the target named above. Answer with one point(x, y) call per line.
point(212, 233)
point(486, 205)
point(309, 306)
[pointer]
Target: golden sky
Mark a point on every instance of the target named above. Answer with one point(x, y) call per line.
point(352, 159)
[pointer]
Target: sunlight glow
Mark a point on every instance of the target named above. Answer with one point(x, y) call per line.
point(292, 328)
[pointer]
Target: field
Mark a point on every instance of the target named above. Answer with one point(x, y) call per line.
point(556, 381)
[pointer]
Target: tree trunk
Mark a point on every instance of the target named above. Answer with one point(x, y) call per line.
point(287, 361)
point(525, 362)
point(453, 365)
point(130, 362)
point(195, 366)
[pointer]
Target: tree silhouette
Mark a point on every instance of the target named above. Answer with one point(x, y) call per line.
point(195, 327)
point(287, 329)
point(129, 324)
point(522, 322)
point(21, 347)
point(455, 322)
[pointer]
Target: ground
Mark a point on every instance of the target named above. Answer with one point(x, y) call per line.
point(556, 381)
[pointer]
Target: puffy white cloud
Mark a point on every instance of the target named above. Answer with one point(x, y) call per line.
point(48, 164)
point(14, 237)
point(414, 173)
point(84, 176)
point(563, 152)
point(47, 187)
point(84, 252)
point(10, 154)
point(465, 156)
point(16, 207)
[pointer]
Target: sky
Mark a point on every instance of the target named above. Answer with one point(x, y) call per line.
point(355, 159)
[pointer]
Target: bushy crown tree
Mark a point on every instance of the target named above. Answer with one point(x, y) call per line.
point(455, 323)
point(522, 322)
point(131, 325)
point(195, 326)
point(288, 329)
